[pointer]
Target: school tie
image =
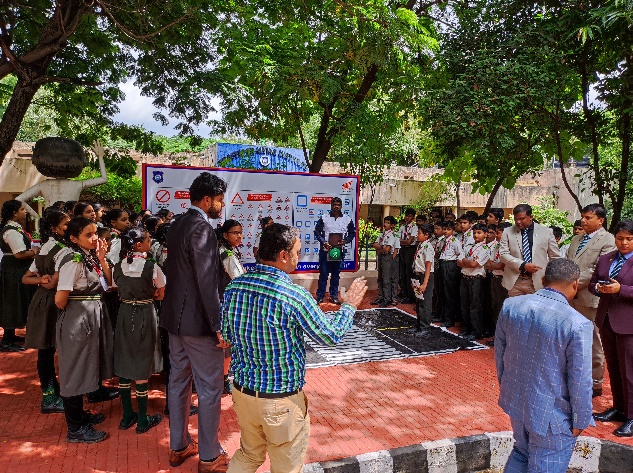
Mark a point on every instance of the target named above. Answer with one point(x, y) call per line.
point(583, 243)
point(619, 262)
point(527, 254)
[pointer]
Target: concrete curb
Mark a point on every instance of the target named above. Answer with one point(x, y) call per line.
point(488, 452)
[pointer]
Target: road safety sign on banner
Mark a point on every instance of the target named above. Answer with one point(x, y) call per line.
point(297, 199)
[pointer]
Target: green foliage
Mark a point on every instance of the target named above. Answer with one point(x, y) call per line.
point(547, 213)
point(126, 192)
point(367, 232)
point(432, 192)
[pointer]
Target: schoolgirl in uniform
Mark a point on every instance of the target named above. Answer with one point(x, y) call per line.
point(42, 316)
point(100, 211)
point(159, 247)
point(136, 357)
point(15, 297)
point(84, 209)
point(118, 220)
point(229, 239)
point(83, 331)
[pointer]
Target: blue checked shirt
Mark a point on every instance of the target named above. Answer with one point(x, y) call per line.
point(264, 317)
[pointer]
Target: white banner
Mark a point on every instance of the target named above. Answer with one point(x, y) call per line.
point(296, 199)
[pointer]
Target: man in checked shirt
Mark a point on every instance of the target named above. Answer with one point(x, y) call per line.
point(264, 318)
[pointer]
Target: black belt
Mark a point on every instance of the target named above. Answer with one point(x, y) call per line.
point(472, 277)
point(250, 392)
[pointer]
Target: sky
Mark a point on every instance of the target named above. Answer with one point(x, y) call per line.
point(138, 110)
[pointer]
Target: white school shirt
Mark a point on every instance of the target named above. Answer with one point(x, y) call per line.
point(15, 240)
point(72, 275)
point(45, 249)
point(493, 248)
point(388, 238)
point(478, 251)
point(467, 238)
point(406, 232)
point(135, 269)
point(423, 253)
point(115, 248)
point(452, 249)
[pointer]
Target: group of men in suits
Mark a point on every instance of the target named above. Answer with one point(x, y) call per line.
point(546, 351)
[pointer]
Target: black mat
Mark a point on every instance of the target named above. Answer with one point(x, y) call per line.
point(385, 334)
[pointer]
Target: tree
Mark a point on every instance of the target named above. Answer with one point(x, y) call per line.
point(81, 51)
point(285, 65)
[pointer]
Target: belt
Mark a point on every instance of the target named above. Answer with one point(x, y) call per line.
point(497, 276)
point(95, 297)
point(525, 276)
point(472, 277)
point(144, 301)
point(250, 392)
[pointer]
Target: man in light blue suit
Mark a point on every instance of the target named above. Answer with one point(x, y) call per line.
point(543, 357)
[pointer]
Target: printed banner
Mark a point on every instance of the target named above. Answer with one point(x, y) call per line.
point(297, 199)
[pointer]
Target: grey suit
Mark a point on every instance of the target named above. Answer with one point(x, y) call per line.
point(191, 315)
point(601, 243)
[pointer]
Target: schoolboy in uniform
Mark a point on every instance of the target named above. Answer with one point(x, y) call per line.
point(423, 269)
point(465, 230)
point(450, 274)
point(498, 293)
point(472, 260)
point(407, 237)
point(491, 235)
point(385, 247)
point(438, 287)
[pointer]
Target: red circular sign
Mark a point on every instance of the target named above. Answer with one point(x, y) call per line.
point(162, 196)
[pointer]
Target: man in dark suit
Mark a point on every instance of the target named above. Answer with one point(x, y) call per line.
point(612, 281)
point(191, 315)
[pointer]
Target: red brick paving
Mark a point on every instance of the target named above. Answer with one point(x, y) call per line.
point(354, 409)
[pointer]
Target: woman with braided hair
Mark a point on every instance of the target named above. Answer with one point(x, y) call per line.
point(42, 316)
point(15, 297)
point(137, 343)
point(83, 331)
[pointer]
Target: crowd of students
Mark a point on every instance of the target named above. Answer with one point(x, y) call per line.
point(455, 264)
point(91, 293)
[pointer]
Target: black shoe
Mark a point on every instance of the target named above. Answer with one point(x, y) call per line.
point(102, 394)
point(377, 301)
point(56, 406)
point(334, 300)
point(228, 387)
point(437, 320)
point(10, 347)
point(385, 304)
point(596, 392)
point(470, 337)
point(319, 299)
point(86, 434)
point(154, 420)
point(126, 425)
point(91, 418)
point(610, 415)
point(448, 324)
point(625, 430)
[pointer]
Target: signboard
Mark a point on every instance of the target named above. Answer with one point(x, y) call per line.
point(297, 199)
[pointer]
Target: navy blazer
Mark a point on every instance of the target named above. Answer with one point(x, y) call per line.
point(191, 306)
point(543, 357)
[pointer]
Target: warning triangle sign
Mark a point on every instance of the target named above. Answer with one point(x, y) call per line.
point(237, 199)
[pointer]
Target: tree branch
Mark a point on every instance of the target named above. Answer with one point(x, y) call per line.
point(66, 80)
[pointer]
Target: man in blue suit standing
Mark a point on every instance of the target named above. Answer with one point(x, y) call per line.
point(543, 357)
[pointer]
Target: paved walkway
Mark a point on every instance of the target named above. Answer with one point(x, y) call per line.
point(354, 409)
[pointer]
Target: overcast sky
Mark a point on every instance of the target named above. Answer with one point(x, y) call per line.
point(138, 110)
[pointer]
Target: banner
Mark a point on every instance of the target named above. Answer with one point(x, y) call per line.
point(296, 199)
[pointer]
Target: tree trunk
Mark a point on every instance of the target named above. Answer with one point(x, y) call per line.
point(593, 127)
point(559, 151)
point(323, 144)
point(457, 200)
point(624, 168)
point(14, 114)
point(492, 195)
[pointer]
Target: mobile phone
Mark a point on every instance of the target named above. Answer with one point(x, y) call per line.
point(605, 283)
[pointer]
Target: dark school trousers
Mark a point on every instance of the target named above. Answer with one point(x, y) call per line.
point(405, 258)
point(423, 307)
point(438, 293)
point(498, 294)
point(387, 277)
point(450, 276)
point(471, 299)
point(327, 268)
point(618, 353)
point(486, 303)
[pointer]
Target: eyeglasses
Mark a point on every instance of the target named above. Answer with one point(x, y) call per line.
point(236, 233)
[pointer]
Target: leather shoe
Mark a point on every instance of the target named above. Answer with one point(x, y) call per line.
point(596, 392)
point(86, 434)
point(91, 418)
point(219, 465)
point(384, 304)
point(334, 300)
point(177, 458)
point(610, 415)
point(153, 421)
point(102, 394)
point(53, 407)
point(448, 324)
point(625, 430)
point(126, 425)
point(377, 301)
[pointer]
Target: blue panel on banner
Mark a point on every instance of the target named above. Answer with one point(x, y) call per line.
point(240, 156)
